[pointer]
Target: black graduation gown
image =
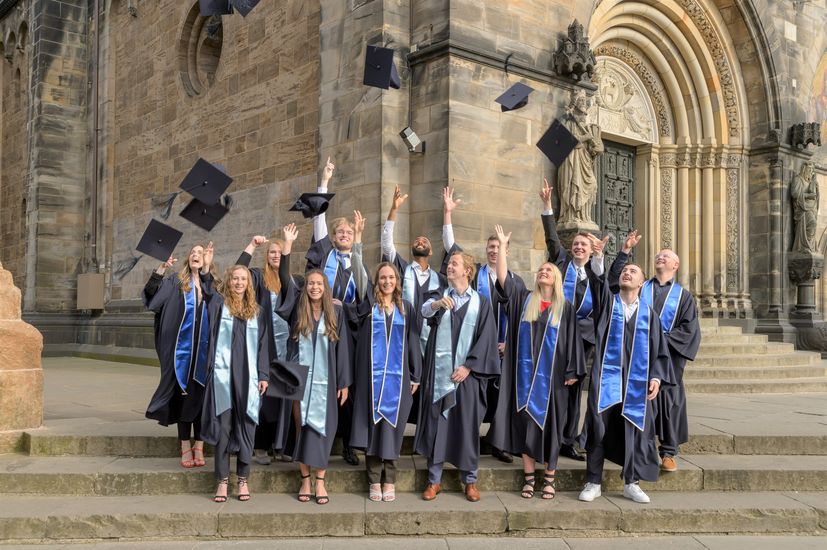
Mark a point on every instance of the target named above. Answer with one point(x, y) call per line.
point(457, 438)
point(516, 432)
point(625, 445)
point(242, 433)
point(163, 296)
point(316, 258)
point(382, 439)
point(308, 446)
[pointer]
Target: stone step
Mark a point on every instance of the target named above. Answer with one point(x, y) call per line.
point(193, 517)
point(108, 476)
point(695, 372)
point(710, 330)
point(776, 385)
point(759, 360)
point(716, 350)
point(733, 339)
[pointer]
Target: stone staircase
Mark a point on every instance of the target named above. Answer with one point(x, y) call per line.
point(732, 361)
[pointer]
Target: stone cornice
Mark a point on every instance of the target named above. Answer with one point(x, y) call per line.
point(6, 6)
point(457, 48)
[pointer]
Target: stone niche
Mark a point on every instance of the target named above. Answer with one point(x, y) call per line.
point(21, 374)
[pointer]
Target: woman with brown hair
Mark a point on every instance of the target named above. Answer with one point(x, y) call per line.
point(318, 340)
point(238, 371)
point(181, 341)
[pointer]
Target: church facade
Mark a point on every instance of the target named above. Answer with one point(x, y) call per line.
point(708, 112)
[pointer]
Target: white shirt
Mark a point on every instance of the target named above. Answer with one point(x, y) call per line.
point(320, 221)
point(630, 309)
point(459, 301)
point(389, 251)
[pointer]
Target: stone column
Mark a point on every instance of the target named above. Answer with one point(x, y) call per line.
point(21, 376)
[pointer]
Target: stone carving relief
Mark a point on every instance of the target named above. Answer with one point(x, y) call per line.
point(666, 207)
point(804, 134)
point(622, 102)
point(574, 58)
point(732, 231)
point(804, 194)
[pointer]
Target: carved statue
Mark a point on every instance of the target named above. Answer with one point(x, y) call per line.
point(576, 178)
point(574, 58)
point(804, 192)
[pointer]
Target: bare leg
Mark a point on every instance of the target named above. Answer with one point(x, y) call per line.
point(529, 467)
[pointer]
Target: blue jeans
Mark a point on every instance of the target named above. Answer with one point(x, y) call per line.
point(435, 474)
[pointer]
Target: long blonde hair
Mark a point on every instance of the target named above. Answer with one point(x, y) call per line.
point(185, 275)
point(271, 276)
point(532, 309)
point(396, 296)
point(304, 314)
point(244, 307)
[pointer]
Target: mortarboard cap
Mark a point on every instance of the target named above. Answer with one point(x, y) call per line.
point(515, 97)
point(287, 380)
point(557, 143)
point(204, 215)
point(206, 182)
point(244, 6)
point(159, 240)
point(312, 204)
point(380, 70)
point(214, 7)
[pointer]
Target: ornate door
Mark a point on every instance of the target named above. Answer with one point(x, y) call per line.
point(615, 195)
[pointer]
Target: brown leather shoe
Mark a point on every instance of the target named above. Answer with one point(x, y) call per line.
point(431, 491)
point(668, 464)
point(471, 492)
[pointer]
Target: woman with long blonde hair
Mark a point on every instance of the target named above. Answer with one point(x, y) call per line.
point(318, 340)
point(548, 358)
point(181, 341)
point(238, 374)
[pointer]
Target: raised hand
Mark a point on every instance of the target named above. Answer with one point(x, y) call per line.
point(448, 200)
point(290, 233)
point(598, 245)
point(503, 238)
point(166, 265)
point(545, 194)
point(398, 198)
point(358, 226)
point(327, 172)
point(208, 256)
point(258, 240)
point(631, 241)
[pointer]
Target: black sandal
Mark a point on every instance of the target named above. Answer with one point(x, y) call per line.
point(321, 499)
point(221, 498)
point(549, 480)
point(242, 482)
point(528, 481)
point(305, 497)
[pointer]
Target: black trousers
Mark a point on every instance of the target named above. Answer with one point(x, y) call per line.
point(185, 429)
point(222, 452)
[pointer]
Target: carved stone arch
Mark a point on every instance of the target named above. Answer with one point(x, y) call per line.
point(624, 106)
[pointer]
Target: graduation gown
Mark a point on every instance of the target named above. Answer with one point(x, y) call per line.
point(457, 438)
point(381, 440)
point(308, 446)
point(163, 296)
point(317, 256)
point(243, 428)
point(625, 445)
point(516, 432)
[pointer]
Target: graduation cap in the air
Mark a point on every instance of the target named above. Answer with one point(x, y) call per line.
point(206, 182)
point(214, 7)
point(557, 143)
point(244, 6)
point(515, 97)
point(287, 380)
point(205, 216)
point(312, 204)
point(380, 70)
point(159, 240)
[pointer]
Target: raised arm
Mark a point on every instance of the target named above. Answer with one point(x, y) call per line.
point(247, 256)
point(598, 245)
point(388, 248)
point(448, 206)
point(290, 235)
point(556, 252)
point(502, 259)
point(621, 260)
point(320, 221)
point(357, 264)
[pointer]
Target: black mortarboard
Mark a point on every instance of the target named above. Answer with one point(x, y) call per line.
point(557, 143)
point(214, 7)
point(287, 380)
point(515, 97)
point(206, 182)
point(380, 70)
point(244, 6)
point(159, 240)
point(312, 204)
point(205, 216)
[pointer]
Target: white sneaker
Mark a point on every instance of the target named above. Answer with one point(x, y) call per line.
point(261, 457)
point(634, 492)
point(590, 492)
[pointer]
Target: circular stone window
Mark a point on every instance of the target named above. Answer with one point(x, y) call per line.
point(199, 51)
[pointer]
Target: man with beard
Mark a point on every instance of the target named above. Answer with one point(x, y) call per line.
point(500, 394)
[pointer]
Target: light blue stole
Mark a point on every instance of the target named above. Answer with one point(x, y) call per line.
point(637, 381)
point(484, 288)
point(281, 329)
point(222, 368)
point(670, 306)
point(331, 268)
point(534, 385)
point(314, 401)
point(570, 292)
point(410, 282)
point(446, 360)
point(186, 341)
point(387, 361)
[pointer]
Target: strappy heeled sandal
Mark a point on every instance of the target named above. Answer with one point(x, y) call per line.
point(221, 498)
point(321, 499)
point(242, 483)
point(198, 462)
point(305, 497)
point(375, 492)
point(528, 481)
point(549, 482)
point(187, 463)
point(390, 494)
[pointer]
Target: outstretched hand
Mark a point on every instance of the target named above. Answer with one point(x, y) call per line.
point(398, 198)
point(166, 265)
point(327, 172)
point(448, 200)
point(209, 252)
point(503, 238)
point(598, 245)
point(258, 240)
point(545, 194)
point(290, 235)
point(631, 241)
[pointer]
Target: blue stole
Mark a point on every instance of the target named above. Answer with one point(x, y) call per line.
point(223, 361)
point(387, 356)
point(570, 290)
point(637, 382)
point(331, 268)
point(483, 287)
point(409, 286)
point(670, 306)
point(281, 330)
point(186, 341)
point(534, 385)
point(314, 401)
point(445, 360)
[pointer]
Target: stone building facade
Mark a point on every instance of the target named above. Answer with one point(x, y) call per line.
point(107, 103)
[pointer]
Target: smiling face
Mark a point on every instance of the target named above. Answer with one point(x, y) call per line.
point(666, 262)
point(456, 271)
point(581, 248)
point(545, 275)
point(387, 281)
point(421, 247)
point(314, 286)
point(196, 258)
point(274, 255)
point(492, 251)
point(239, 280)
point(343, 236)
point(631, 278)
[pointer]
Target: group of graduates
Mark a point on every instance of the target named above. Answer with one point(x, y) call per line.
point(269, 361)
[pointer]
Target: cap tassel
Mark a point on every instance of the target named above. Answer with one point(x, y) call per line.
point(228, 201)
point(165, 203)
point(123, 267)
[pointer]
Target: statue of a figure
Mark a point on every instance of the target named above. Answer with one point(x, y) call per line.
point(804, 192)
point(576, 179)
